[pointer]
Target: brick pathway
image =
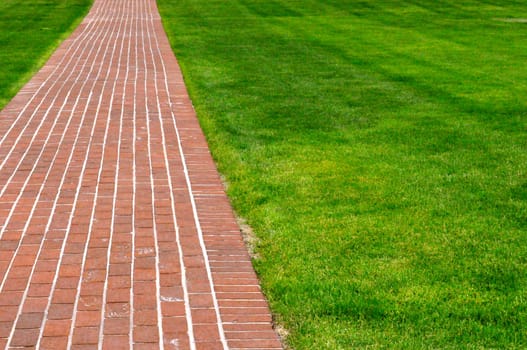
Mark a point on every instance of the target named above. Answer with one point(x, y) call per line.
point(115, 231)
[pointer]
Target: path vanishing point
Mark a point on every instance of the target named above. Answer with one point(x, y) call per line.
point(115, 230)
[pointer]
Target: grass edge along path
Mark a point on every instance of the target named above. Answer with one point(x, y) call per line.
point(30, 31)
point(378, 151)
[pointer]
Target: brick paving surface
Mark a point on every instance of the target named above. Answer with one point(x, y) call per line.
point(115, 231)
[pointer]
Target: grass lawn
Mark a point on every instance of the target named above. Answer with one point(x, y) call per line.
point(30, 30)
point(378, 149)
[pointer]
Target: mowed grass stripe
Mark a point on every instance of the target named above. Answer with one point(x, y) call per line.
point(378, 150)
point(30, 30)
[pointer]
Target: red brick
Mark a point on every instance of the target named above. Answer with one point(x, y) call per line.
point(171, 309)
point(255, 344)
point(60, 311)
point(39, 290)
point(116, 310)
point(121, 295)
point(175, 325)
point(146, 346)
point(10, 298)
point(201, 300)
point(30, 320)
point(43, 277)
point(88, 318)
point(145, 317)
point(89, 303)
point(64, 296)
point(206, 332)
point(144, 287)
point(209, 345)
point(144, 334)
point(25, 337)
point(116, 326)
point(145, 301)
point(57, 328)
point(116, 342)
point(15, 284)
point(248, 335)
point(5, 328)
point(54, 343)
point(37, 304)
point(86, 335)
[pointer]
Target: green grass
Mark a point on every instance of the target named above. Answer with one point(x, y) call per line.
point(29, 32)
point(379, 151)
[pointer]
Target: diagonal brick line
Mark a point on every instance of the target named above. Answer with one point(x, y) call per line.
point(54, 203)
point(188, 313)
point(48, 221)
point(77, 192)
point(115, 230)
point(92, 214)
point(189, 187)
point(65, 71)
point(41, 186)
point(64, 76)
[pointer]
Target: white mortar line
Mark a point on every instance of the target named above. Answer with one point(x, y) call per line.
point(44, 118)
point(101, 162)
point(188, 313)
point(152, 185)
point(116, 180)
point(8, 182)
point(79, 185)
point(42, 185)
point(134, 185)
point(55, 201)
point(194, 208)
